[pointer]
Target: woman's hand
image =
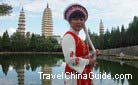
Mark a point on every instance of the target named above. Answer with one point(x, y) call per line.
point(92, 62)
point(98, 52)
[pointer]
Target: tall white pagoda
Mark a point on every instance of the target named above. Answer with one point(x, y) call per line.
point(21, 24)
point(101, 28)
point(47, 24)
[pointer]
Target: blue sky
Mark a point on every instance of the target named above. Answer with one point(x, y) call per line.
point(113, 13)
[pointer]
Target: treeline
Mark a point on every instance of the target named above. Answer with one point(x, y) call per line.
point(31, 62)
point(118, 37)
point(17, 42)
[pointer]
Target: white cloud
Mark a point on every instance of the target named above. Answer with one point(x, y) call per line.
point(96, 8)
point(15, 3)
point(1, 32)
point(9, 17)
point(35, 5)
point(119, 11)
point(10, 30)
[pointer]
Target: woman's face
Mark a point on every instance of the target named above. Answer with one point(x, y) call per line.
point(77, 23)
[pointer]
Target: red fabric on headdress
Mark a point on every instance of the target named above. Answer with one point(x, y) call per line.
point(73, 8)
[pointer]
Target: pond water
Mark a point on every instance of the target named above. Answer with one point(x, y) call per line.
point(25, 70)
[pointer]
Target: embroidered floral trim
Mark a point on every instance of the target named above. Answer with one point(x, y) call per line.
point(71, 54)
point(77, 60)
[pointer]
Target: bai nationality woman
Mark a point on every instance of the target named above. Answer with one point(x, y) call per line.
point(76, 52)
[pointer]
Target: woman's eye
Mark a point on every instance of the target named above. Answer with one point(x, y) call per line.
point(82, 19)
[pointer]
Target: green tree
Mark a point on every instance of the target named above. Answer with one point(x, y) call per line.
point(5, 9)
point(28, 35)
point(48, 44)
point(5, 42)
point(19, 42)
point(135, 30)
point(57, 48)
point(95, 39)
point(123, 37)
point(33, 42)
point(132, 32)
point(0, 44)
point(117, 37)
point(106, 44)
point(89, 32)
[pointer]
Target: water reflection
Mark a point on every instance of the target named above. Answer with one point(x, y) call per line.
point(23, 70)
point(24, 66)
point(115, 68)
point(46, 70)
point(20, 75)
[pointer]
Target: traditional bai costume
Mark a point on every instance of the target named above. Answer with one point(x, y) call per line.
point(75, 51)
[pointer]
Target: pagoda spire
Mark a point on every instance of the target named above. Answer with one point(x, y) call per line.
point(101, 21)
point(22, 9)
point(47, 5)
point(101, 27)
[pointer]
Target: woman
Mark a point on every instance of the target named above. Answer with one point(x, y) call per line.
point(74, 49)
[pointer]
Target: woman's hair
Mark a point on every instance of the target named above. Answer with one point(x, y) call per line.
point(76, 14)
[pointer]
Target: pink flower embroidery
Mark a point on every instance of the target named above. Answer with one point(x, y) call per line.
point(71, 54)
point(77, 60)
